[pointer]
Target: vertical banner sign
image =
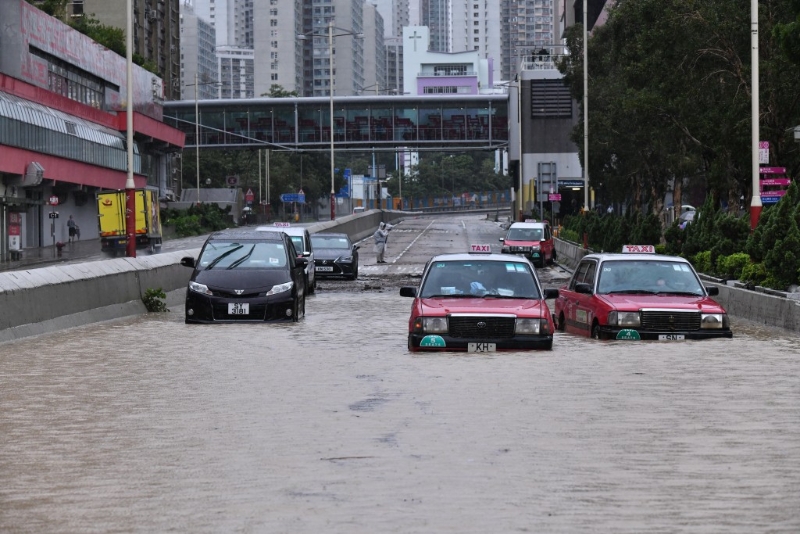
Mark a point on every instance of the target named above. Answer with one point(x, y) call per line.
point(763, 152)
point(14, 224)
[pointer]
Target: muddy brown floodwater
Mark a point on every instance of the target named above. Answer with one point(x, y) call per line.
point(331, 425)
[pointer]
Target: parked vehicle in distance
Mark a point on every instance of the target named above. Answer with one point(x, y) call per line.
point(636, 295)
point(302, 243)
point(358, 209)
point(532, 239)
point(335, 255)
point(111, 217)
point(244, 275)
point(479, 302)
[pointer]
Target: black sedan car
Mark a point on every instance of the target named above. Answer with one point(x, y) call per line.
point(246, 276)
point(335, 256)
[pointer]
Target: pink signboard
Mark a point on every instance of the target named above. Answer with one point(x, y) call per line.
point(775, 181)
point(772, 170)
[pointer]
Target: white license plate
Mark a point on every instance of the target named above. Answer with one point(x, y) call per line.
point(481, 347)
point(671, 337)
point(325, 269)
point(238, 308)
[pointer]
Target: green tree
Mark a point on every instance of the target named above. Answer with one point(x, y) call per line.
point(277, 91)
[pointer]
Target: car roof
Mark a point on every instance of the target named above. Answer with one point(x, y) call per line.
point(330, 234)
point(528, 224)
point(289, 230)
point(246, 233)
point(603, 256)
point(464, 256)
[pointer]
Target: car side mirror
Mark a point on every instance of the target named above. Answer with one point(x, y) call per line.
point(306, 254)
point(302, 261)
point(408, 292)
point(712, 291)
point(585, 289)
point(550, 293)
point(356, 247)
point(502, 240)
point(188, 261)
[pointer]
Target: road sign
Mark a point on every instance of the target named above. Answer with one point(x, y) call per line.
point(53, 215)
point(249, 196)
point(772, 170)
point(232, 180)
point(54, 200)
point(293, 197)
point(554, 197)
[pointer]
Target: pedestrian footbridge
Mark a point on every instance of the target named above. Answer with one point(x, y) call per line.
point(469, 122)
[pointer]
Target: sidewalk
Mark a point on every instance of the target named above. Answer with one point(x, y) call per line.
point(49, 255)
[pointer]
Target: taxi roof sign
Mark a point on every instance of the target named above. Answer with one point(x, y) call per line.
point(282, 224)
point(480, 249)
point(638, 249)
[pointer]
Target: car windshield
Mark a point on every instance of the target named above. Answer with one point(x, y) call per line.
point(242, 255)
point(480, 278)
point(525, 234)
point(324, 241)
point(648, 276)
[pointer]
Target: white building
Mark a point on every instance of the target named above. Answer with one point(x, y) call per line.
point(236, 72)
point(428, 72)
point(198, 56)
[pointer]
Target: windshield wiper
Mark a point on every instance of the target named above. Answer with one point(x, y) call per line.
point(630, 292)
point(682, 293)
point(449, 296)
point(242, 259)
point(222, 256)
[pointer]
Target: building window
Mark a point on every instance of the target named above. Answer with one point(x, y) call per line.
point(273, 76)
point(273, 12)
point(273, 44)
point(273, 22)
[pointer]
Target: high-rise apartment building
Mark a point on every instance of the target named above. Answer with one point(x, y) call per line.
point(528, 27)
point(395, 15)
point(278, 52)
point(374, 52)
point(198, 56)
point(236, 70)
point(232, 20)
point(156, 32)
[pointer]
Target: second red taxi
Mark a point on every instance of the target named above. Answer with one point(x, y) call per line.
point(479, 302)
point(639, 296)
point(532, 239)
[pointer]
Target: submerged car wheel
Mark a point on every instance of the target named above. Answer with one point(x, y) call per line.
point(596, 333)
point(561, 324)
point(355, 273)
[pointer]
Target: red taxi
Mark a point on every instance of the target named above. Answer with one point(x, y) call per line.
point(479, 302)
point(532, 239)
point(639, 295)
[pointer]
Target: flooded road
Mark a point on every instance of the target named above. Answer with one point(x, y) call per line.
point(331, 425)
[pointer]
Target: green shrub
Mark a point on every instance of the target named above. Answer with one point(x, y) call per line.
point(153, 300)
point(731, 266)
point(569, 235)
point(702, 262)
point(753, 273)
point(661, 249)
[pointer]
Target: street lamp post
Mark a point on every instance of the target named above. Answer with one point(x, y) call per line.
point(130, 185)
point(331, 35)
point(197, 128)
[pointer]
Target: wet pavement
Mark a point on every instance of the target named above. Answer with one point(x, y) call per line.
point(330, 425)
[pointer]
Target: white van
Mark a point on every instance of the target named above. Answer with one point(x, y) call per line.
point(302, 243)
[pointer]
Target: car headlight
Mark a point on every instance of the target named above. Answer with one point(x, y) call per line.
point(199, 288)
point(626, 319)
point(280, 288)
point(714, 320)
point(531, 326)
point(535, 248)
point(345, 259)
point(431, 325)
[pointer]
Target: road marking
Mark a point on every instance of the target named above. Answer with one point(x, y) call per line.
point(412, 243)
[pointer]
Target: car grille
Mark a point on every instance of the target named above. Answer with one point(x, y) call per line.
point(232, 295)
point(482, 327)
point(519, 249)
point(670, 320)
point(257, 313)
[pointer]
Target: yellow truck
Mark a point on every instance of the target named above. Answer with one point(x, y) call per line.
point(111, 219)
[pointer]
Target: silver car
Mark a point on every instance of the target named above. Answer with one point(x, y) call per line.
point(302, 242)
